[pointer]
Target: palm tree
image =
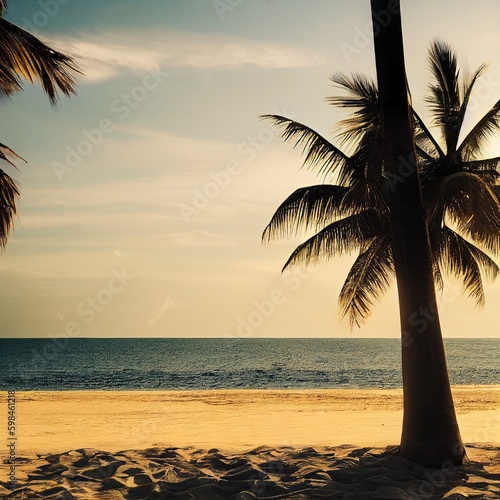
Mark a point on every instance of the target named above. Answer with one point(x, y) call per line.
point(458, 183)
point(26, 57)
point(430, 433)
point(354, 215)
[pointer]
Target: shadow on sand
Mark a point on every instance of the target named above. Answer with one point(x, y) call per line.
point(344, 472)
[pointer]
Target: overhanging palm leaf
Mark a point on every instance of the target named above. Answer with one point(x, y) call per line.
point(7, 154)
point(368, 279)
point(23, 55)
point(3, 7)
point(9, 194)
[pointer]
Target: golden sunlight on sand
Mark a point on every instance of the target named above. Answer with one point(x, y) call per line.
point(221, 444)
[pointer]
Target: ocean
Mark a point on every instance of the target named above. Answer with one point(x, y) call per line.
point(189, 364)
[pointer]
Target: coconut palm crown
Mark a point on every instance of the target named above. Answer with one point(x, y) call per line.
point(460, 189)
point(26, 57)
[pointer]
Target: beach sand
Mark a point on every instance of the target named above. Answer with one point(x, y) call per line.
point(239, 444)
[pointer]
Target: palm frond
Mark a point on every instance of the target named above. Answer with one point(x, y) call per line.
point(368, 280)
point(367, 161)
point(482, 165)
point(6, 154)
point(423, 137)
point(461, 190)
point(469, 82)
point(470, 205)
point(467, 262)
point(23, 55)
point(319, 153)
point(9, 194)
point(445, 94)
point(363, 96)
point(365, 194)
point(340, 237)
point(3, 7)
point(444, 67)
point(424, 155)
point(468, 85)
point(437, 275)
point(485, 128)
point(496, 190)
point(310, 207)
point(362, 90)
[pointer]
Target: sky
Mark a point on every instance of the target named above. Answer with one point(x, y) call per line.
point(144, 198)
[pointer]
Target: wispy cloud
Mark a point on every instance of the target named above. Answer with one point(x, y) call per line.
point(205, 51)
point(105, 60)
point(108, 55)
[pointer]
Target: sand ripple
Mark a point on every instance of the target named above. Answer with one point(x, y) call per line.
point(343, 472)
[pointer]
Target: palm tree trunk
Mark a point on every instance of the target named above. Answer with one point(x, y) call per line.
point(430, 433)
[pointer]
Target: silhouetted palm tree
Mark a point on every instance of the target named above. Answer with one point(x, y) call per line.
point(460, 196)
point(458, 183)
point(430, 433)
point(24, 56)
point(459, 188)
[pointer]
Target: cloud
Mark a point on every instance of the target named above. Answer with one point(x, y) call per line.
point(106, 60)
point(109, 55)
point(216, 51)
point(168, 304)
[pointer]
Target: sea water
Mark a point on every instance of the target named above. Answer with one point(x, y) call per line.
point(188, 364)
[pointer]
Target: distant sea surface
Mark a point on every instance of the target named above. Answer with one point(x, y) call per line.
point(161, 364)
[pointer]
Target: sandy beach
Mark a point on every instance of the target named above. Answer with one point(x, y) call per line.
point(239, 444)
